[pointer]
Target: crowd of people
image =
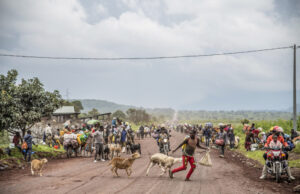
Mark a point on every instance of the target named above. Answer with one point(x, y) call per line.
point(256, 138)
point(96, 138)
point(275, 139)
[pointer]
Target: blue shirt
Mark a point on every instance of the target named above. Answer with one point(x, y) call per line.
point(28, 139)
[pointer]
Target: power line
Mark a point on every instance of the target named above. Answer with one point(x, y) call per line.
point(144, 58)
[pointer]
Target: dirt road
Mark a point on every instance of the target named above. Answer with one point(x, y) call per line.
point(82, 175)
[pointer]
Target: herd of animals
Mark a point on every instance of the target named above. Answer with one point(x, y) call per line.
point(112, 152)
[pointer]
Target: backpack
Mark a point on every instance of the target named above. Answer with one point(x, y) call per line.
point(24, 146)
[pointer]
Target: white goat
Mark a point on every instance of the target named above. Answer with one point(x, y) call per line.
point(163, 162)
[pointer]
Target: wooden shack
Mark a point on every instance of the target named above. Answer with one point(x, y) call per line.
point(65, 113)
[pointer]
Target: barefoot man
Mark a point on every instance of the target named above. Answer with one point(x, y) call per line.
point(187, 154)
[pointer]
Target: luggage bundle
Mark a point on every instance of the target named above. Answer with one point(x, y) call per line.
point(206, 160)
point(83, 137)
point(74, 143)
point(220, 142)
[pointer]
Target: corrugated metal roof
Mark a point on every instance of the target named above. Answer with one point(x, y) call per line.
point(65, 110)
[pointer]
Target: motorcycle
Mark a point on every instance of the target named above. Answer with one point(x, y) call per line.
point(165, 148)
point(276, 163)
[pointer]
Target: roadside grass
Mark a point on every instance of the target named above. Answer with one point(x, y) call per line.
point(39, 151)
point(297, 149)
point(294, 163)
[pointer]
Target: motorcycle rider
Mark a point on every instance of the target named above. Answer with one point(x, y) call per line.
point(163, 133)
point(274, 140)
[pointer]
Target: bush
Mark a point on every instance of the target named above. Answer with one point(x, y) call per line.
point(297, 148)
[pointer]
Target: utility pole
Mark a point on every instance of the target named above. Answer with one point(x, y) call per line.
point(294, 92)
point(67, 94)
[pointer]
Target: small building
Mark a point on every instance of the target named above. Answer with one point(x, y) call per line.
point(65, 113)
point(101, 117)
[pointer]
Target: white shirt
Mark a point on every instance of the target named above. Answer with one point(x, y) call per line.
point(48, 130)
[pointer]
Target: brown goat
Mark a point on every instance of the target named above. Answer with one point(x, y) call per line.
point(114, 148)
point(37, 166)
point(123, 163)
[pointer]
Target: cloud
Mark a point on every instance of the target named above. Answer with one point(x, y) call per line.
point(132, 28)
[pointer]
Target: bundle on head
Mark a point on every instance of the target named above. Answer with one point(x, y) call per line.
point(123, 163)
point(37, 166)
point(163, 162)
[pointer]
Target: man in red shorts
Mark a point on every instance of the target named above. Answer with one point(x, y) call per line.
point(187, 154)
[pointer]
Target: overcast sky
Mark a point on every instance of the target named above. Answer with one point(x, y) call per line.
point(144, 28)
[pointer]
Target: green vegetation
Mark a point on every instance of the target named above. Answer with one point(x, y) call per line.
point(294, 163)
point(234, 116)
point(23, 105)
point(120, 114)
point(40, 151)
point(297, 149)
point(93, 112)
point(76, 103)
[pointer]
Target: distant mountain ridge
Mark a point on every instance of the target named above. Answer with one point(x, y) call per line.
point(104, 106)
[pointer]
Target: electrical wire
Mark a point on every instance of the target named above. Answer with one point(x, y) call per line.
point(144, 58)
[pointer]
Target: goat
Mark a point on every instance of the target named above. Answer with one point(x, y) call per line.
point(163, 162)
point(114, 148)
point(106, 152)
point(135, 147)
point(236, 141)
point(123, 163)
point(37, 166)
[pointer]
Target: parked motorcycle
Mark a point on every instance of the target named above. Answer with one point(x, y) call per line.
point(276, 163)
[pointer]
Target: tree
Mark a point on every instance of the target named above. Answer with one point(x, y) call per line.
point(137, 116)
point(81, 115)
point(7, 101)
point(76, 103)
point(245, 121)
point(28, 102)
point(93, 112)
point(119, 114)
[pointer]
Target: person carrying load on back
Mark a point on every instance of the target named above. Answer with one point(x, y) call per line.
point(28, 148)
point(221, 140)
point(276, 140)
point(188, 154)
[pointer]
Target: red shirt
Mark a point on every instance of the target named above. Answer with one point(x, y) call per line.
point(16, 140)
point(279, 138)
point(255, 132)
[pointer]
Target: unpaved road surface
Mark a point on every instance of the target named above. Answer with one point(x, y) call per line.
point(82, 175)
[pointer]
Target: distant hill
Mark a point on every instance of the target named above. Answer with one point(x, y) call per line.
point(291, 108)
point(103, 106)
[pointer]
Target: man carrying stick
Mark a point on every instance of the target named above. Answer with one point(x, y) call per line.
point(188, 154)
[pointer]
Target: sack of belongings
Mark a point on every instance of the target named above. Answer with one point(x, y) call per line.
point(254, 147)
point(220, 142)
point(205, 160)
